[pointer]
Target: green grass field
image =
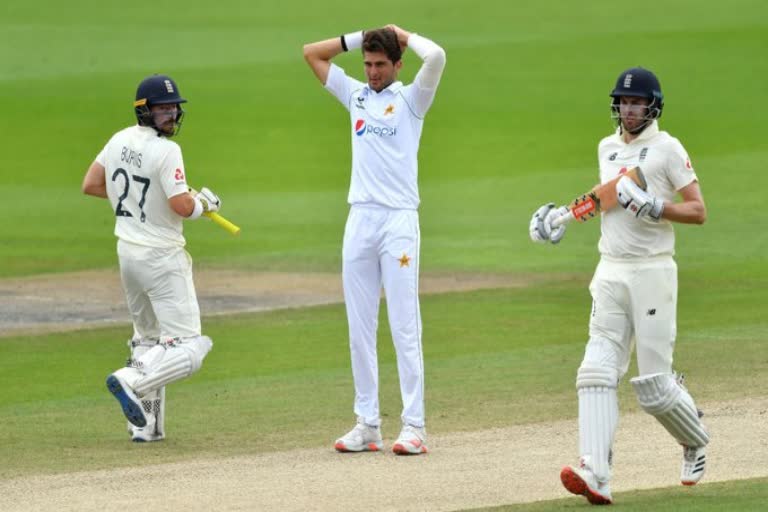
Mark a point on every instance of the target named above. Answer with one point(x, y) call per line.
point(744, 495)
point(522, 105)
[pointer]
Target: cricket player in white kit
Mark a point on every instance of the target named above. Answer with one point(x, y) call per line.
point(381, 238)
point(634, 289)
point(142, 174)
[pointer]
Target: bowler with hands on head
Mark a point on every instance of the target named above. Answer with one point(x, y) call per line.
point(381, 238)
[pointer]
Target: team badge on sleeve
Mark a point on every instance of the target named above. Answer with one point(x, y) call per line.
point(179, 176)
point(404, 261)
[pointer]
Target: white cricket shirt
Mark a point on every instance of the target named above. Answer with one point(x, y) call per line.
point(667, 169)
point(142, 172)
point(386, 128)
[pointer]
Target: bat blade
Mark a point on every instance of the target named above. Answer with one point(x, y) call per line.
point(601, 198)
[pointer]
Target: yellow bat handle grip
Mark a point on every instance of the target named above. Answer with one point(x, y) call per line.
point(224, 223)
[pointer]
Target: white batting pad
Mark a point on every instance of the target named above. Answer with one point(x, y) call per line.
point(177, 360)
point(598, 418)
point(596, 376)
point(153, 402)
point(160, 413)
point(661, 396)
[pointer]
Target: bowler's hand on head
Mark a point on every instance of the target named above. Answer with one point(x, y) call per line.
point(402, 35)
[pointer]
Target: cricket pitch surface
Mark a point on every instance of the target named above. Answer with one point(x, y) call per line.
point(463, 470)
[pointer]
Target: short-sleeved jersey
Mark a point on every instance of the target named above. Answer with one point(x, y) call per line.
point(385, 128)
point(666, 167)
point(143, 171)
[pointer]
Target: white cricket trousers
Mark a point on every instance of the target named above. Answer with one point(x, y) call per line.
point(633, 299)
point(159, 290)
point(381, 246)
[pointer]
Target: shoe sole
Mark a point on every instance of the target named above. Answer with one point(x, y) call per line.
point(132, 411)
point(402, 449)
point(691, 482)
point(370, 447)
point(576, 485)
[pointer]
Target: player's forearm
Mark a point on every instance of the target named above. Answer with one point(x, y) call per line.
point(183, 204)
point(95, 190)
point(323, 50)
point(318, 55)
point(687, 212)
point(95, 182)
point(191, 205)
point(434, 61)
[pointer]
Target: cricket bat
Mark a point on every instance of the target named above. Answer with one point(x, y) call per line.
point(601, 198)
point(221, 221)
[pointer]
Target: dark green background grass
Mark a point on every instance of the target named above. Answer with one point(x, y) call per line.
point(523, 103)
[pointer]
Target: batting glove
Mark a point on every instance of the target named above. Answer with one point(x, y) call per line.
point(537, 230)
point(211, 202)
point(540, 227)
point(637, 201)
point(555, 234)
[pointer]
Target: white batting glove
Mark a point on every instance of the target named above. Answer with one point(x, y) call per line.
point(538, 232)
point(555, 234)
point(211, 202)
point(637, 201)
point(540, 227)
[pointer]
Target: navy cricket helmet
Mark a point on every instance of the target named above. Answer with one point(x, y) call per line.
point(641, 83)
point(157, 90)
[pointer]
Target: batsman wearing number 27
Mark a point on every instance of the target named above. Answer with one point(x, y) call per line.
point(141, 172)
point(634, 289)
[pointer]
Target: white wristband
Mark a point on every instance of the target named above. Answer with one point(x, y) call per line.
point(197, 211)
point(352, 41)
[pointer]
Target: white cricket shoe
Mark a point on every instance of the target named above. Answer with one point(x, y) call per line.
point(411, 441)
point(694, 465)
point(150, 432)
point(117, 385)
point(362, 438)
point(147, 433)
point(582, 481)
